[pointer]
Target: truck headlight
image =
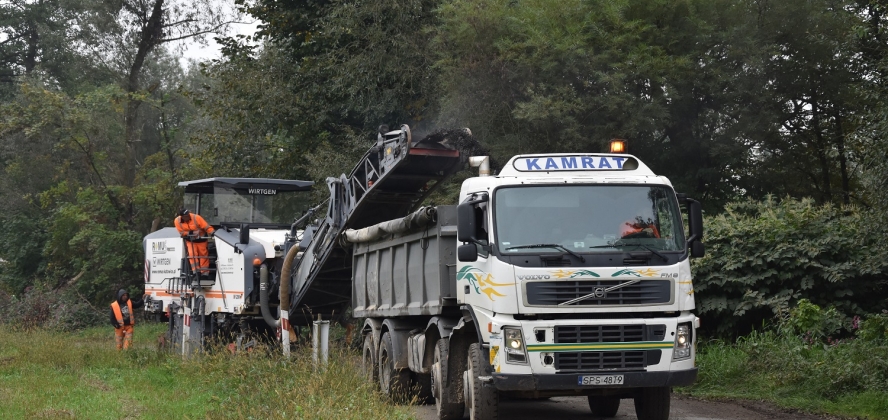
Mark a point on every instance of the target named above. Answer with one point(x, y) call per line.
point(515, 352)
point(683, 342)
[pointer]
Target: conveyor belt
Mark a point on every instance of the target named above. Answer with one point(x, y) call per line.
point(390, 181)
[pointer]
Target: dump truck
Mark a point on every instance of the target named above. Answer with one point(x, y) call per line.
point(561, 275)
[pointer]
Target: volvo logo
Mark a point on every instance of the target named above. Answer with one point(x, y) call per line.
point(599, 292)
point(534, 277)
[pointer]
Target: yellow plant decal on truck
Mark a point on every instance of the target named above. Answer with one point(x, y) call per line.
point(566, 274)
point(482, 282)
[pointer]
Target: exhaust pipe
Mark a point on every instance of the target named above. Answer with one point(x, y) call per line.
point(482, 163)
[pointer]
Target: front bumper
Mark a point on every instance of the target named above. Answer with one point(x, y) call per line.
point(568, 381)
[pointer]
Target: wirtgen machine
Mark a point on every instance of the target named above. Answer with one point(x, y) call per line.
point(257, 239)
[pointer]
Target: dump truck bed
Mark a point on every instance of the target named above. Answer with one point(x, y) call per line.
point(410, 273)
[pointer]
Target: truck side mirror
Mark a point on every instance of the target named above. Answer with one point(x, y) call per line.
point(244, 233)
point(697, 249)
point(695, 228)
point(465, 223)
point(467, 252)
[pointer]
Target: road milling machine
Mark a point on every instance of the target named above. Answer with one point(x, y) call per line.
point(257, 240)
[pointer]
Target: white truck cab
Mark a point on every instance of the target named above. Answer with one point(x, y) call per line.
point(575, 269)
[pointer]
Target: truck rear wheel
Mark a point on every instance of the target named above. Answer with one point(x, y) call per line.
point(394, 382)
point(482, 399)
point(447, 402)
point(368, 359)
point(604, 406)
point(653, 403)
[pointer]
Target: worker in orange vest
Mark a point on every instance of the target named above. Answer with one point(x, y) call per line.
point(123, 319)
point(194, 229)
point(638, 228)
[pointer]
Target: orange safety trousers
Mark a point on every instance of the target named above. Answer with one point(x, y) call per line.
point(124, 337)
point(198, 255)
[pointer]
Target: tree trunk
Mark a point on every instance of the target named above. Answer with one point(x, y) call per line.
point(843, 161)
point(30, 59)
point(150, 37)
point(821, 147)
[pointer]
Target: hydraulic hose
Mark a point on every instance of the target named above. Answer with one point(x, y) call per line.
point(263, 298)
point(284, 289)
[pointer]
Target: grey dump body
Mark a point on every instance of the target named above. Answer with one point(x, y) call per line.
point(409, 273)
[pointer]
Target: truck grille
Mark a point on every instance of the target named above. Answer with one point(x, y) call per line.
point(602, 360)
point(553, 293)
point(607, 360)
point(599, 333)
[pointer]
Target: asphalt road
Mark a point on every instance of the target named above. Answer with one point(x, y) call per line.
point(682, 408)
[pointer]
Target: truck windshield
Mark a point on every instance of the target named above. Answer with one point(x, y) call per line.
point(587, 218)
point(265, 206)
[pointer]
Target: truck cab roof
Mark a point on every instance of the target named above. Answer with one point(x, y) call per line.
point(575, 164)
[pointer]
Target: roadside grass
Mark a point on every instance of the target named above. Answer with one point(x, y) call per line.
point(848, 379)
point(81, 375)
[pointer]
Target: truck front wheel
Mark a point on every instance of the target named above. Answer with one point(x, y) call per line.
point(447, 402)
point(394, 382)
point(653, 403)
point(606, 407)
point(482, 399)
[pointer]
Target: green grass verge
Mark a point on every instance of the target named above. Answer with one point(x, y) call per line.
point(81, 375)
point(849, 379)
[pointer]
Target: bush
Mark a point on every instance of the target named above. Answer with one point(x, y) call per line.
point(874, 328)
point(763, 257)
point(811, 322)
point(54, 310)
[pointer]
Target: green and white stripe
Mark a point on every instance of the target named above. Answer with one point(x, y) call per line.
point(574, 347)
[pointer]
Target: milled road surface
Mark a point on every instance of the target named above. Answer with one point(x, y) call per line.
point(682, 408)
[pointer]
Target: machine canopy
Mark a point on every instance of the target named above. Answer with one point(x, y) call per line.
point(259, 202)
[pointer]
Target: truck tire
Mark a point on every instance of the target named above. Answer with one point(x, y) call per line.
point(447, 402)
point(653, 403)
point(482, 399)
point(368, 360)
point(394, 382)
point(606, 407)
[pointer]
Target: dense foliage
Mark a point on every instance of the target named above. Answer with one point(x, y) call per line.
point(733, 100)
point(847, 378)
point(762, 257)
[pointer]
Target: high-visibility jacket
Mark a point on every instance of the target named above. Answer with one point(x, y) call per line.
point(632, 226)
point(196, 224)
point(115, 306)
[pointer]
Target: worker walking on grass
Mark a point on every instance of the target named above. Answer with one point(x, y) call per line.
point(194, 229)
point(123, 319)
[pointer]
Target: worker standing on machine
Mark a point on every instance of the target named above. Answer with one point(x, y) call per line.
point(195, 230)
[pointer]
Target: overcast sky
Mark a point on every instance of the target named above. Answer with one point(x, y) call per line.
point(198, 52)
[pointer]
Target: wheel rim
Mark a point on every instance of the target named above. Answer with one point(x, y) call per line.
point(470, 387)
point(385, 371)
point(367, 364)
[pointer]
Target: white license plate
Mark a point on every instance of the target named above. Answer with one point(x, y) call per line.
point(600, 380)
